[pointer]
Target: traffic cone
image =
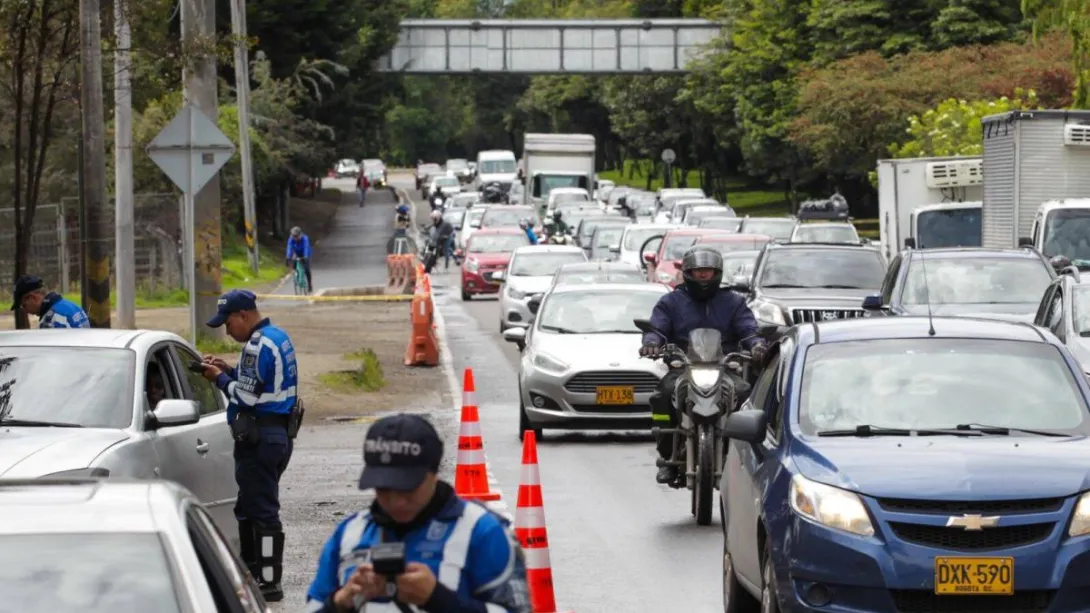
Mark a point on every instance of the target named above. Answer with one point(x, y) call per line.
point(471, 474)
point(530, 530)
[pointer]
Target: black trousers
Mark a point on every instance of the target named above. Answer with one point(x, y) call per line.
point(664, 414)
point(258, 468)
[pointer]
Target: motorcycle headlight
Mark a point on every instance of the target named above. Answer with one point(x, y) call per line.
point(89, 472)
point(705, 378)
point(438, 200)
point(766, 311)
point(829, 506)
point(547, 362)
point(473, 265)
point(1080, 521)
point(514, 294)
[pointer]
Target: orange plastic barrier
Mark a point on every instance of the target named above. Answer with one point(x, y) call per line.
point(400, 273)
point(471, 473)
point(530, 530)
point(423, 349)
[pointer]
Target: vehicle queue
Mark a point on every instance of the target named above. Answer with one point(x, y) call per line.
point(916, 419)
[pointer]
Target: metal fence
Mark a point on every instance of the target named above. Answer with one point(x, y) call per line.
point(55, 244)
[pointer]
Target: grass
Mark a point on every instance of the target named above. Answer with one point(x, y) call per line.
point(368, 377)
point(217, 346)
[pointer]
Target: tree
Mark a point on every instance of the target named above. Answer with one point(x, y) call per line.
point(38, 50)
point(954, 127)
point(1073, 17)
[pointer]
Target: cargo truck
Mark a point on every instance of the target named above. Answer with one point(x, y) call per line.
point(1037, 183)
point(556, 160)
point(929, 203)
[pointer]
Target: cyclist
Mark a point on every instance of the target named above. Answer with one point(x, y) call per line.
point(299, 249)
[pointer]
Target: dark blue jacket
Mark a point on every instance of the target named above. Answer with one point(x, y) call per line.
point(677, 314)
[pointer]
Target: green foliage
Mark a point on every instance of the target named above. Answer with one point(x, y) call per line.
point(954, 126)
point(1073, 17)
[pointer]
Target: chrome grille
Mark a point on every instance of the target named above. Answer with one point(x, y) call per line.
point(807, 316)
point(589, 382)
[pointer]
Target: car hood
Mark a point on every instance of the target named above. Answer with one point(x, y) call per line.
point(490, 259)
point(34, 452)
point(1016, 312)
point(597, 351)
point(951, 468)
point(530, 285)
point(819, 297)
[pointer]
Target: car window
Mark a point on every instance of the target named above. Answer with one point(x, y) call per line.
point(841, 233)
point(889, 283)
point(635, 236)
point(85, 386)
point(1080, 310)
point(543, 264)
point(939, 383)
point(206, 394)
point(976, 280)
point(835, 268)
point(507, 216)
point(86, 572)
point(1056, 313)
point(676, 246)
point(776, 228)
point(160, 381)
point(580, 312)
point(496, 243)
point(241, 582)
point(763, 386)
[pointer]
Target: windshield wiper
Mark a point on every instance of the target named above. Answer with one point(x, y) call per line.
point(559, 330)
point(1004, 430)
point(786, 285)
point(842, 287)
point(36, 424)
point(865, 430)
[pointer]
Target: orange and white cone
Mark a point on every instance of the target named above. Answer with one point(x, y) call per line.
point(530, 530)
point(471, 473)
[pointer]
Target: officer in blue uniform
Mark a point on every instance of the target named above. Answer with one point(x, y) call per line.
point(420, 547)
point(52, 309)
point(264, 416)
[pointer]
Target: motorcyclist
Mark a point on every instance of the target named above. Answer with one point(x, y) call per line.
point(442, 236)
point(697, 303)
point(402, 220)
point(524, 224)
point(557, 226)
point(492, 193)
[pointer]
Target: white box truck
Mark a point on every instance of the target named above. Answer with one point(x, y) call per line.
point(929, 203)
point(1037, 187)
point(557, 160)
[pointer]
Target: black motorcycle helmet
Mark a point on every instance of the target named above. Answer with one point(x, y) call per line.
point(493, 193)
point(557, 215)
point(702, 256)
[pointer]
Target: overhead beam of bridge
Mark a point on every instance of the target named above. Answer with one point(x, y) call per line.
point(596, 46)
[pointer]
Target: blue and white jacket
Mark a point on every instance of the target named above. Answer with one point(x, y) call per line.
point(475, 558)
point(56, 312)
point(267, 376)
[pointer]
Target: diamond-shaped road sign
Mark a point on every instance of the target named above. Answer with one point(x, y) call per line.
point(190, 149)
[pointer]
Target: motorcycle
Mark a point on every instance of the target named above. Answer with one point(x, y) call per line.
point(430, 256)
point(559, 239)
point(703, 397)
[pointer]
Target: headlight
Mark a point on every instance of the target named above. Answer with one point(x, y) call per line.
point(94, 473)
point(547, 362)
point(829, 506)
point(438, 200)
point(705, 378)
point(766, 311)
point(514, 294)
point(473, 265)
point(665, 277)
point(1080, 523)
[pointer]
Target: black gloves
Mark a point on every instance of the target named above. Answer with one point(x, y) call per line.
point(650, 350)
point(759, 353)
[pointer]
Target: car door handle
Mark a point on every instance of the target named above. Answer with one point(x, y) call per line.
point(202, 447)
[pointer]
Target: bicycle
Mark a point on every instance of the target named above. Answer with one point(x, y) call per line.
point(301, 288)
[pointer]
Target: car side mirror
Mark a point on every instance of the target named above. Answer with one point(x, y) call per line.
point(910, 243)
point(515, 335)
point(740, 284)
point(499, 275)
point(534, 303)
point(1025, 241)
point(171, 412)
point(615, 248)
point(650, 257)
point(748, 426)
point(872, 303)
point(677, 264)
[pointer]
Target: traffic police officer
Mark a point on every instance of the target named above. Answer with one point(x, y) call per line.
point(420, 547)
point(264, 418)
point(53, 310)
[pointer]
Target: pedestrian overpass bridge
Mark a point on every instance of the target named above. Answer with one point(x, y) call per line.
point(596, 46)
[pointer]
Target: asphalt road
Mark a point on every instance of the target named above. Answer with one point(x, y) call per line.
point(619, 541)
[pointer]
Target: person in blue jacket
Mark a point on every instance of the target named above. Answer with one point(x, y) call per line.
point(264, 417)
point(53, 310)
point(697, 303)
point(459, 557)
point(529, 230)
point(299, 248)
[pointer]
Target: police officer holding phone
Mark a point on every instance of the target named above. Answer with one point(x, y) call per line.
point(264, 415)
point(420, 547)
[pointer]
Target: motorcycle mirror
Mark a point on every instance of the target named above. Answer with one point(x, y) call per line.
point(643, 325)
point(771, 332)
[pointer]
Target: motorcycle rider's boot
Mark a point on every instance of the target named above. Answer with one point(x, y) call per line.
point(667, 475)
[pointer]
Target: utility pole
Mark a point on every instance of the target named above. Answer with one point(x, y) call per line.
point(199, 78)
point(124, 251)
point(97, 267)
point(242, 90)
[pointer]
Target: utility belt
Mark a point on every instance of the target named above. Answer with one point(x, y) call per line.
point(247, 425)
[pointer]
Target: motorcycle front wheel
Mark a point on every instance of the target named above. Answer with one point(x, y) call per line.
point(703, 486)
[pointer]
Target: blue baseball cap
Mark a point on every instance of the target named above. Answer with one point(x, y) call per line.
point(23, 286)
point(232, 302)
point(398, 453)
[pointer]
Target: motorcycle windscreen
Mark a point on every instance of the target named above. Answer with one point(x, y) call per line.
point(705, 345)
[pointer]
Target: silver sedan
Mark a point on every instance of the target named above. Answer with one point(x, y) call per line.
point(114, 403)
point(580, 365)
point(114, 546)
point(531, 272)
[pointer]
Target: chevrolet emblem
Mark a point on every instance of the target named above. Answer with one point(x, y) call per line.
point(972, 522)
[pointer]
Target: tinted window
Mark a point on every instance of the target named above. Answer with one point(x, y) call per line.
point(90, 573)
point(1080, 310)
point(636, 236)
point(841, 233)
point(502, 243)
point(976, 281)
point(938, 383)
point(954, 228)
point(84, 386)
point(828, 268)
point(582, 313)
point(776, 228)
point(1067, 232)
point(447, 182)
point(676, 246)
point(498, 217)
point(203, 390)
point(595, 276)
point(542, 264)
point(493, 167)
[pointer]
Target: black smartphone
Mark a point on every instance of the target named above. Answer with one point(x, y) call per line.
point(196, 366)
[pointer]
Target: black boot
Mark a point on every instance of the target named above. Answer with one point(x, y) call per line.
point(247, 547)
point(270, 563)
point(666, 475)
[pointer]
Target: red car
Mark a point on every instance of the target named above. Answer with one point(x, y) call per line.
point(488, 252)
point(664, 265)
point(730, 242)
